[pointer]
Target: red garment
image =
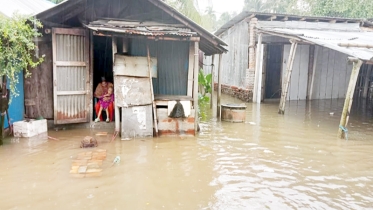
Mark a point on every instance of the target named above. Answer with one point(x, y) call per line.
point(110, 109)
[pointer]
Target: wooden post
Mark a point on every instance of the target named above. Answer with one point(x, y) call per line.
point(212, 80)
point(317, 49)
point(218, 115)
point(349, 97)
point(367, 81)
point(264, 70)
point(195, 87)
point(152, 93)
point(190, 69)
point(310, 71)
point(257, 96)
point(289, 69)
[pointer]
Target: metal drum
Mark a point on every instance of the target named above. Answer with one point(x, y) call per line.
point(233, 112)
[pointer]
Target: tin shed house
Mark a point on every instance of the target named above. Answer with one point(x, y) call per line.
point(289, 57)
point(128, 42)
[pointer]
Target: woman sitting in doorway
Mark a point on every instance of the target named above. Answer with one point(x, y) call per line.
point(104, 102)
point(102, 89)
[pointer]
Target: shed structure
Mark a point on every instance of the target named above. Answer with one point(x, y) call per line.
point(289, 57)
point(119, 39)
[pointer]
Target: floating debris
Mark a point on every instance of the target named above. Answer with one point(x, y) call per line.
point(88, 141)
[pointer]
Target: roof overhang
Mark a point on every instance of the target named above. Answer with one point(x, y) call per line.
point(356, 44)
point(262, 16)
point(209, 43)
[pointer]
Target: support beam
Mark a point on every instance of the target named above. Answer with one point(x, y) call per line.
point(257, 95)
point(190, 70)
point(366, 81)
point(218, 114)
point(349, 97)
point(195, 88)
point(289, 69)
point(212, 81)
point(311, 64)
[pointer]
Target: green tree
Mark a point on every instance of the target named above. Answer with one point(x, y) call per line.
point(208, 19)
point(16, 54)
point(272, 6)
point(188, 8)
point(341, 8)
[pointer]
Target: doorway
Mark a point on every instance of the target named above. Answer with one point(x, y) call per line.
point(102, 64)
point(273, 71)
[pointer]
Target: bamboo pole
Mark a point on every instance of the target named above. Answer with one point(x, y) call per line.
point(349, 97)
point(289, 69)
point(195, 86)
point(212, 81)
point(218, 115)
point(152, 93)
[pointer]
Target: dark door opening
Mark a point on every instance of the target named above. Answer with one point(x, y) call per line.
point(102, 63)
point(273, 71)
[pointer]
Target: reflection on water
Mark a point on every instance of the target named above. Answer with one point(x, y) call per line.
point(293, 161)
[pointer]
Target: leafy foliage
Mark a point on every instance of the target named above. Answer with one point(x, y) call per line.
point(204, 83)
point(17, 48)
point(188, 8)
point(342, 8)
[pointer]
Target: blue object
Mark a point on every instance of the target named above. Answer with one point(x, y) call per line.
point(17, 107)
point(345, 130)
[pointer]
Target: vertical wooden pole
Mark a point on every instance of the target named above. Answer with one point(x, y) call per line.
point(366, 81)
point(190, 69)
point(315, 57)
point(116, 108)
point(310, 70)
point(195, 88)
point(257, 96)
point(152, 93)
point(289, 69)
point(349, 97)
point(218, 115)
point(264, 70)
point(90, 78)
point(212, 81)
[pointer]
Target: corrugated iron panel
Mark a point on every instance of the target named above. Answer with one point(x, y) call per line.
point(332, 39)
point(172, 64)
point(70, 48)
point(25, 7)
point(71, 83)
point(235, 62)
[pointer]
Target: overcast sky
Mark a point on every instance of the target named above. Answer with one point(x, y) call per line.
point(221, 6)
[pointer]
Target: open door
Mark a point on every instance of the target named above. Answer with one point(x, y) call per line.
point(71, 75)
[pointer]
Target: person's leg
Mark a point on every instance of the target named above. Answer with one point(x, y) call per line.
point(99, 115)
point(97, 108)
point(107, 115)
point(111, 111)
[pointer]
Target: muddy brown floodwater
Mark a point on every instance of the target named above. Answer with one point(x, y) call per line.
point(293, 161)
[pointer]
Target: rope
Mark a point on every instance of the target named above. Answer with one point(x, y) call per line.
point(345, 130)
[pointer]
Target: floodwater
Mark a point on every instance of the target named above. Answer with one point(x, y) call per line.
point(293, 161)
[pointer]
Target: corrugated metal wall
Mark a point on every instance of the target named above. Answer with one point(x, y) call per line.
point(332, 74)
point(299, 76)
point(235, 62)
point(71, 78)
point(172, 58)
